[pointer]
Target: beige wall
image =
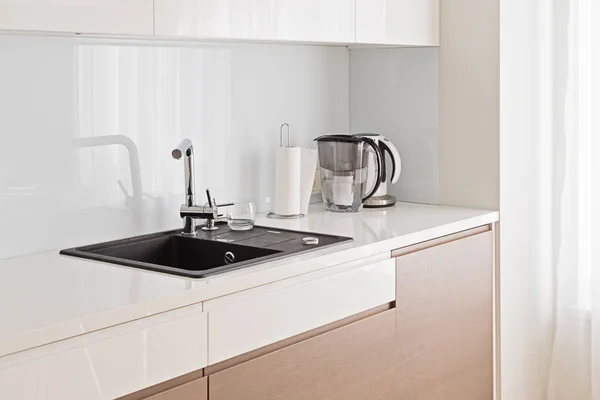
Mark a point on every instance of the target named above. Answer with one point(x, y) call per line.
point(469, 104)
point(469, 119)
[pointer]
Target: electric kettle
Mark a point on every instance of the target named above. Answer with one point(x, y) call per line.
point(381, 198)
point(348, 178)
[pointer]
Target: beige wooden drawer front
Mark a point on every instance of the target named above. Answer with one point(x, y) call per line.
point(195, 390)
point(353, 362)
point(444, 320)
point(271, 313)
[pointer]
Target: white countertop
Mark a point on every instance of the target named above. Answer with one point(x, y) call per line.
point(47, 297)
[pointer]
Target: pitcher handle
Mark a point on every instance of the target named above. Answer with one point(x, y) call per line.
point(379, 158)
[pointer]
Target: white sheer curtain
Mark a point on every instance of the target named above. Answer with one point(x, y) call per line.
point(575, 361)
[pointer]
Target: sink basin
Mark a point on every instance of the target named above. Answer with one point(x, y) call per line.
point(183, 252)
point(206, 254)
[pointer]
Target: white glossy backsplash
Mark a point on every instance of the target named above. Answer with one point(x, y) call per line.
point(395, 92)
point(87, 127)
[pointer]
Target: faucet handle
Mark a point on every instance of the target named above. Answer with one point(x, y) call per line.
point(212, 202)
point(210, 198)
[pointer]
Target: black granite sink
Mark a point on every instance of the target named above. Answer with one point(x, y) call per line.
point(206, 254)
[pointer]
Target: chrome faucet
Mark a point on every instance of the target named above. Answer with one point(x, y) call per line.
point(190, 211)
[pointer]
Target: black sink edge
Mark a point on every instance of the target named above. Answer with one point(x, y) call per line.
point(83, 252)
point(165, 269)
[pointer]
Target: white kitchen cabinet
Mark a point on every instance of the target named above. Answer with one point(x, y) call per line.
point(110, 363)
point(258, 317)
point(250, 19)
point(294, 20)
point(78, 16)
point(398, 22)
point(315, 20)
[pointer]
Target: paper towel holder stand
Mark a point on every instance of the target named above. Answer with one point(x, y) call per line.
point(277, 216)
point(272, 214)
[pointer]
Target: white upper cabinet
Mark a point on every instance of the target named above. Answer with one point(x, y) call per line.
point(315, 20)
point(398, 22)
point(294, 20)
point(392, 22)
point(79, 16)
point(250, 19)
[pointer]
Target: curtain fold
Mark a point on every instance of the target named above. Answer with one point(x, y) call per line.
point(575, 362)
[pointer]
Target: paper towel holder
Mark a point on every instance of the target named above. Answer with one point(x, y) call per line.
point(272, 214)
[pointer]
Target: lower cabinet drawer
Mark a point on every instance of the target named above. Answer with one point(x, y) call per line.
point(445, 335)
point(195, 390)
point(355, 361)
point(271, 313)
point(110, 363)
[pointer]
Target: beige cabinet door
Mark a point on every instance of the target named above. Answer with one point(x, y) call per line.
point(444, 321)
point(195, 390)
point(355, 361)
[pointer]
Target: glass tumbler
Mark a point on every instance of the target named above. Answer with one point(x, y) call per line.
point(241, 216)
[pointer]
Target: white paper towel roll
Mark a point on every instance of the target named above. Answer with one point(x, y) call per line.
point(288, 170)
point(309, 166)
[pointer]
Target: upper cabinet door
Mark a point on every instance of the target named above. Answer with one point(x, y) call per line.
point(315, 20)
point(78, 16)
point(398, 22)
point(245, 19)
point(295, 20)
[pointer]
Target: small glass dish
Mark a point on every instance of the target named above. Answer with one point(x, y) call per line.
point(241, 216)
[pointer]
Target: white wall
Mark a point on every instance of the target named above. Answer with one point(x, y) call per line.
point(395, 92)
point(230, 99)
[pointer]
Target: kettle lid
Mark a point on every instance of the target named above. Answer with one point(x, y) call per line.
point(369, 135)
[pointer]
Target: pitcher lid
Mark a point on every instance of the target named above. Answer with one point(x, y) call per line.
point(339, 137)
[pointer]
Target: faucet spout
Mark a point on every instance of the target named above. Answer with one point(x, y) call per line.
point(189, 210)
point(185, 150)
point(185, 147)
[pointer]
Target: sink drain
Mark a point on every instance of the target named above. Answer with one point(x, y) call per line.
point(229, 258)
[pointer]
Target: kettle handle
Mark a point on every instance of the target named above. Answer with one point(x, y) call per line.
point(379, 158)
point(388, 147)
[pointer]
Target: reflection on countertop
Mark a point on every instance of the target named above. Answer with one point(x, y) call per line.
point(46, 297)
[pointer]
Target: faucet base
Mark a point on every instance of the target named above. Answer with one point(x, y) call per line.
point(209, 228)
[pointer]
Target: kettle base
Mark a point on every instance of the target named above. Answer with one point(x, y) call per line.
point(380, 201)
